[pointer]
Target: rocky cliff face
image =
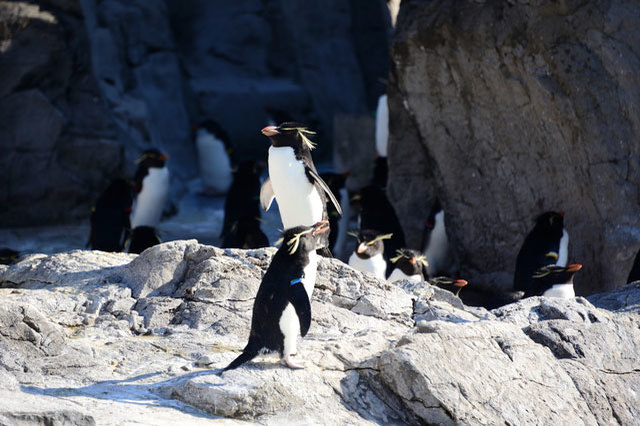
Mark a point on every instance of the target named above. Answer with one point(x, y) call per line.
point(98, 338)
point(85, 85)
point(522, 107)
point(58, 144)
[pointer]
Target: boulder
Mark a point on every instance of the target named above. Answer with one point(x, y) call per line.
point(520, 108)
point(88, 335)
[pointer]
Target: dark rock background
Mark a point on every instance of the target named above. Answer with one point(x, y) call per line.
point(85, 85)
point(517, 108)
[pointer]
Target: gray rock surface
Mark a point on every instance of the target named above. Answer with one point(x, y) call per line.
point(519, 108)
point(100, 338)
point(53, 120)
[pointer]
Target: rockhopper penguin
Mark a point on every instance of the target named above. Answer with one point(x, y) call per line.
point(293, 179)
point(554, 281)
point(214, 149)
point(409, 265)
point(368, 253)
point(282, 308)
point(546, 244)
point(151, 185)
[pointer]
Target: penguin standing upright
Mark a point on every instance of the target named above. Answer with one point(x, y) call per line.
point(241, 226)
point(293, 179)
point(282, 308)
point(151, 185)
point(110, 223)
point(409, 265)
point(435, 243)
point(368, 253)
point(554, 281)
point(546, 244)
point(214, 149)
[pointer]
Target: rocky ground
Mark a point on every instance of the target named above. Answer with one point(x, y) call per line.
point(99, 338)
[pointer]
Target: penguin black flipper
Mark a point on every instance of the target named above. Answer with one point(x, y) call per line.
point(266, 194)
point(312, 174)
point(298, 297)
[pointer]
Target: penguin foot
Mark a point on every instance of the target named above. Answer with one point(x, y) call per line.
point(291, 363)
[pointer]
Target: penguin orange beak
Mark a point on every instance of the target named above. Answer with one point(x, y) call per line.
point(574, 268)
point(413, 261)
point(320, 227)
point(460, 283)
point(163, 157)
point(361, 248)
point(270, 131)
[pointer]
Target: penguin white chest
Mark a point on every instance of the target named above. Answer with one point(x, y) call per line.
point(298, 199)
point(215, 166)
point(563, 252)
point(565, 291)
point(152, 198)
point(375, 265)
point(398, 275)
point(437, 251)
point(289, 322)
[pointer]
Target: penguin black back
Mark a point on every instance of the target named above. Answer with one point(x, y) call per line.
point(280, 286)
point(242, 204)
point(540, 248)
point(143, 237)
point(110, 217)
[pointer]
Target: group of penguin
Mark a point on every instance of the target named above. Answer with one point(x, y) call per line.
point(126, 215)
point(310, 211)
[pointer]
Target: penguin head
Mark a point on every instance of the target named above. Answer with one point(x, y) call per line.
point(551, 220)
point(306, 239)
point(152, 158)
point(369, 243)
point(411, 262)
point(550, 275)
point(291, 134)
point(445, 282)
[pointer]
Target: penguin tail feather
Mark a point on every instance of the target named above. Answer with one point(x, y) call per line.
point(248, 353)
